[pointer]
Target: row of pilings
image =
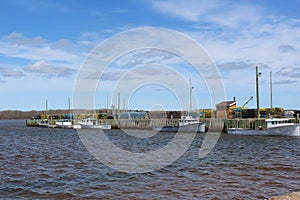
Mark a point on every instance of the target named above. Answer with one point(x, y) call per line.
point(212, 124)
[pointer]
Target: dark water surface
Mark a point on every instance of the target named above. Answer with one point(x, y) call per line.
point(53, 163)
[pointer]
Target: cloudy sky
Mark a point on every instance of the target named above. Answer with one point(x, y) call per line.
point(43, 45)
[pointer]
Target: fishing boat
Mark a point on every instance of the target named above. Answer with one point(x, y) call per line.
point(92, 123)
point(187, 123)
point(64, 123)
point(67, 121)
point(275, 127)
point(191, 124)
point(44, 123)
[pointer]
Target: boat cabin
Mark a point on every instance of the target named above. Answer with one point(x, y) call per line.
point(277, 122)
point(186, 120)
point(89, 121)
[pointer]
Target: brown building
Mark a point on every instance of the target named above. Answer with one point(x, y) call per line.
point(225, 109)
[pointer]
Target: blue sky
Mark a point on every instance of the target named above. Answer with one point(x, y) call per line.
point(44, 43)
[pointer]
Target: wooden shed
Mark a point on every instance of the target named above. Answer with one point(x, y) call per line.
point(225, 109)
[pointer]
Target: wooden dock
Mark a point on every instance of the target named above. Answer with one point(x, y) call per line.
point(212, 124)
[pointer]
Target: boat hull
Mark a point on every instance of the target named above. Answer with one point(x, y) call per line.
point(288, 130)
point(166, 129)
point(65, 124)
point(196, 127)
point(76, 126)
point(100, 126)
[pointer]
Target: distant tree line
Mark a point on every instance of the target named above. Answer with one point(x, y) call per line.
point(17, 114)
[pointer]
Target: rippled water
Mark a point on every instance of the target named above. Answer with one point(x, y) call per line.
point(53, 163)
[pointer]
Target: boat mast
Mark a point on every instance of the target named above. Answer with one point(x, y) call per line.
point(118, 115)
point(69, 108)
point(191, 103)
point(271, 92)
point(107, 103)
point(46, 108)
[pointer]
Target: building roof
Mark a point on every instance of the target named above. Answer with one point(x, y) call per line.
point(226, 104)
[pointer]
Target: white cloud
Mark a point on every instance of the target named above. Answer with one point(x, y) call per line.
point(19, 39)
point(286, 70)
point(238, 32)
point(239, 65)
point(284, 82)
point(62, 44)
point(191, 11)
point(235, 15)
point(292, 72)
point(286, 48)
point(263, 45)
point(49, 69)
point(148, 56)
point(15, 45)
point(218, 12)
point(10, 72)
point(2, 81)
point(37, 53)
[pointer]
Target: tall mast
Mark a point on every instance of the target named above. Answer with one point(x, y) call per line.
point(107, 103)
point(271, 92)
point(124, 105)
point(257, 93)
point(69, 102)
point(46, 108)
point(118, 115)
point(191, 103)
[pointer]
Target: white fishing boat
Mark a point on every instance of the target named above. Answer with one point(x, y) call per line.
point(191, 124)
point(67, 121)
point(64, 123)
point(275, 127)
point(92, 123)
point(76, 126)
point(43, 123)
point(186, 123)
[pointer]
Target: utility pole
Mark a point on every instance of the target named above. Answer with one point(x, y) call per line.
point(257, 92)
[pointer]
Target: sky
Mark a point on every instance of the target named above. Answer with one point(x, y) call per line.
point(44, 45)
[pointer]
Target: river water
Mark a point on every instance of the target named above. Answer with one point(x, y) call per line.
point(40, 163)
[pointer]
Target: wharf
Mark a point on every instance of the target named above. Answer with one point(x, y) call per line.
point(212, 124)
